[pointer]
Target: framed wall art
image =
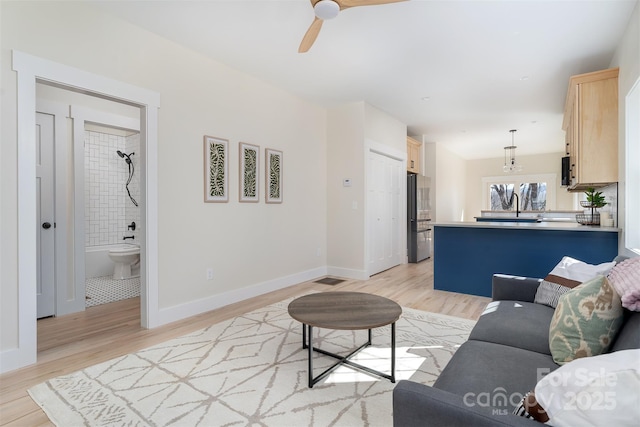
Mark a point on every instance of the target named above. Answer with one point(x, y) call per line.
point(273, 173)
point(249, 161)
point(216, 169)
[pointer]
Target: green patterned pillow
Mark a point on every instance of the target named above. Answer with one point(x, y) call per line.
point(585, 322)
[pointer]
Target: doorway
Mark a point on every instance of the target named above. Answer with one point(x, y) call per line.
point(112, 206)
point(30, 70)
point(99, 183)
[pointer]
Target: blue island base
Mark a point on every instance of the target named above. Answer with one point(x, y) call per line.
point(465, 258)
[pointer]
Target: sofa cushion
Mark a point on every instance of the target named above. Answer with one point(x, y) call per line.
point(586, 321)
point(515, 323)
point(629, 335)
point(493, 375)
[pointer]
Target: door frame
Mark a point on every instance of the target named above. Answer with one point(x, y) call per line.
point(401, 156)
point(31, 69)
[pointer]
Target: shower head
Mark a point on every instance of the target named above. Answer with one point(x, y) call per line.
point(123, 155)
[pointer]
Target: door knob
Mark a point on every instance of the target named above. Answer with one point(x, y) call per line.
point(46, 225)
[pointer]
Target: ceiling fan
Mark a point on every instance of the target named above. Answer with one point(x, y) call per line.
point(329, 9)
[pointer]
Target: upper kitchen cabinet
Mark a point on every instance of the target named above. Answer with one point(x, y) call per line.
point(591, 126)
point(413, 155)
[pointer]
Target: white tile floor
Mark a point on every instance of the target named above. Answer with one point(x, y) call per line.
point(102, 290)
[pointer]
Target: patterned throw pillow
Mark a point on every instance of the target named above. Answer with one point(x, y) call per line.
point(625, 279)
point(585, 322)
point(549, 293)
point(529, 407)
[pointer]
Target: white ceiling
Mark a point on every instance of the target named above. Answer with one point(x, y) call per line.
point(486, 66)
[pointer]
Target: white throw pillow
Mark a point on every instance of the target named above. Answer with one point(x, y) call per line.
point(573, 269)
point(593, 391)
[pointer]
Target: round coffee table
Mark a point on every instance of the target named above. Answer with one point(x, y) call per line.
point(345, 311)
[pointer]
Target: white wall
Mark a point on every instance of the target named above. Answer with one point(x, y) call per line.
point(384, 129)
point(627, 57)
point(345, 159)
point(450, 183)
point(245, 244)
point(348, 128)
point(429, 169)
point(533, 164)
point(447, 171)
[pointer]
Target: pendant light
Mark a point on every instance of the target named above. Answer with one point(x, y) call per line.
point(510, 164)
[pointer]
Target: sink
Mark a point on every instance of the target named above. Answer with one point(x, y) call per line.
point(506, 219)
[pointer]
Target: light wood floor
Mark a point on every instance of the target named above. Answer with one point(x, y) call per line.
point(73, 342)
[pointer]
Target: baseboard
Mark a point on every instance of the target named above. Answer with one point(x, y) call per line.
point(347, 273)
point(16, 358)
point(183, 311)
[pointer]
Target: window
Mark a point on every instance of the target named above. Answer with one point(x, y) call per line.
point(501, 197)
point(533, 196)
point(535, 192)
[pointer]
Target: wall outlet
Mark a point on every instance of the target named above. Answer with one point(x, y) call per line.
point(318, 252)
point(209, 273)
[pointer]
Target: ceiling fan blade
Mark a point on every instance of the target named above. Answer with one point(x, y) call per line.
point(310, 36)
point(353, 3)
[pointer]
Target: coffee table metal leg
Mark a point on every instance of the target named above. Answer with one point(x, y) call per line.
point(307, 343)
point(393, 352)
point(310, 356)
point(304, 336)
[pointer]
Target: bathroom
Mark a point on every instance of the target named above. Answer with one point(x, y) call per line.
point(111, 212)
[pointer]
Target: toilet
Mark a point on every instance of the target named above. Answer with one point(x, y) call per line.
point(126, 258)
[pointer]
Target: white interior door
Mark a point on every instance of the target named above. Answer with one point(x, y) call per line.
point(384, 212)
point(45, 220)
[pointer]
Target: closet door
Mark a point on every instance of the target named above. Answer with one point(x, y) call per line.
point(384, 210)
point(45, 221)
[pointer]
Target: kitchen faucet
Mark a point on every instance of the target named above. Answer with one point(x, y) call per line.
point(517, 203)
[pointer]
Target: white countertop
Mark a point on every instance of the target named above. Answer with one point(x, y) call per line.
point(560, 226)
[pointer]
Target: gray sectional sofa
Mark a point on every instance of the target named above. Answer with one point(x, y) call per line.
point(507, 351)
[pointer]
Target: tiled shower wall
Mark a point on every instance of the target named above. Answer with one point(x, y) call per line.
point(108, 209)
point(131, 212)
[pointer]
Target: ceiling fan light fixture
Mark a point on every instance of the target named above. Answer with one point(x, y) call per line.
point(326, 9)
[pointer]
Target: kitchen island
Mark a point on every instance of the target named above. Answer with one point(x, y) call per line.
point(467, 254)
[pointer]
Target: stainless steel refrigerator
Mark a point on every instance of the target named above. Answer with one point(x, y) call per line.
point(418, 217)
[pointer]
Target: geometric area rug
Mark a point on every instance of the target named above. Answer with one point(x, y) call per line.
point(252, 371)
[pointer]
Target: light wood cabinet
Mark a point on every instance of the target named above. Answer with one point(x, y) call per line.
point(591, 126)
point(413, 155)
